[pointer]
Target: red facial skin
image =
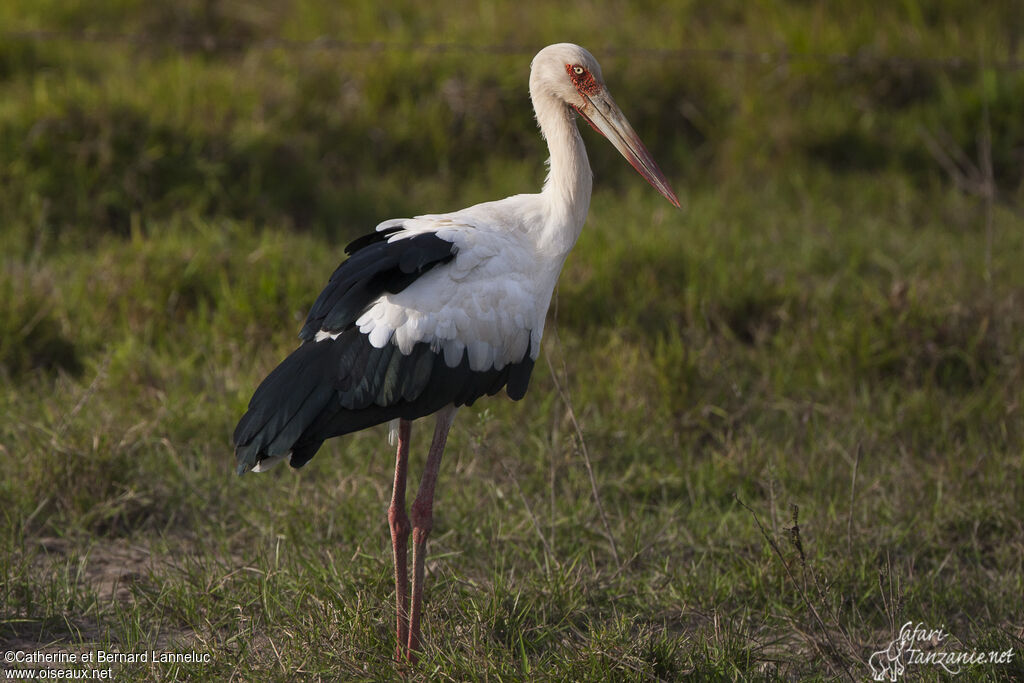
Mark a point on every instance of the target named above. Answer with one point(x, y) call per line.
point(586, 85)
point(584, 82)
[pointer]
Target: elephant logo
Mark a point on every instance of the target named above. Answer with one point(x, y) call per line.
point(888, 664)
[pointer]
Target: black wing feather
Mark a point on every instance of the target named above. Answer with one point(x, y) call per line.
point(371, 238)
point(326, 411)
point(376, 267)
point(338, 386)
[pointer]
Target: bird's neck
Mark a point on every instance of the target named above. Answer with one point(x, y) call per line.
point(567, 189)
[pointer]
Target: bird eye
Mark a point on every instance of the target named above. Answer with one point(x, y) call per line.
point(578, 70)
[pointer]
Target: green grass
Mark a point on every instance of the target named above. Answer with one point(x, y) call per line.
point(831, 325)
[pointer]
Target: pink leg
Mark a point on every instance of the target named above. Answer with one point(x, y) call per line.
point(423, 522)
point(399, 523)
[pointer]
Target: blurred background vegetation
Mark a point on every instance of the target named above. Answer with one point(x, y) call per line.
point(835, 320)
point(124, 113)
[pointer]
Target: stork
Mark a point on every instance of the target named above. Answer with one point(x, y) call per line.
point(430, 313)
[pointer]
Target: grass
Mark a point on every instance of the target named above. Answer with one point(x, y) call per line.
point(800, 397)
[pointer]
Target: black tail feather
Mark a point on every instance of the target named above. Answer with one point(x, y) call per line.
point(284, 404)
point(335, 387)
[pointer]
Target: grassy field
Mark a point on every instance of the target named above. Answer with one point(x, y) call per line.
point(801, 397)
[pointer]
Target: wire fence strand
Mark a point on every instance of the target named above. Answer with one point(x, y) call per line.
point(210, 42)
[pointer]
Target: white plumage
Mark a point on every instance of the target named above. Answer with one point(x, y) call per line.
point(491, 300)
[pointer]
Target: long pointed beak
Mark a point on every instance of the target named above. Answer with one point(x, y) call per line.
point(606, 118)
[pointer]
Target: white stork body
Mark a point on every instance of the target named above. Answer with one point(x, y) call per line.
point(491, 300)
point(494, 297)
point(433, 312)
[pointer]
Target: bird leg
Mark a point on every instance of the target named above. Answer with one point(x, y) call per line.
point(423, 521)
point(399, 523)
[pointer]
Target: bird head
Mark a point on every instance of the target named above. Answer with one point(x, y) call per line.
point(570, 74)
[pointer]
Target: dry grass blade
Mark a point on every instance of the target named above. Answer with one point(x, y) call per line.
point(563, 393)
point(833, 652)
